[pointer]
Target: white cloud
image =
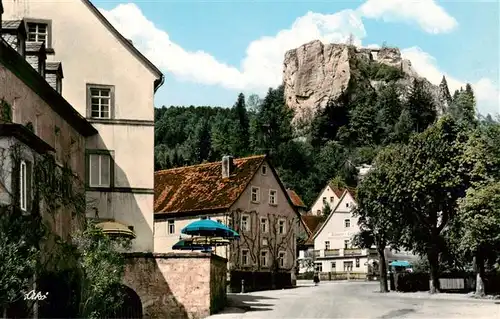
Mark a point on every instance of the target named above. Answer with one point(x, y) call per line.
point(262, 66)
point(487, 93)
point(426, 13)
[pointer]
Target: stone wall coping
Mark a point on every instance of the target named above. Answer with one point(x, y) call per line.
point(173, 255)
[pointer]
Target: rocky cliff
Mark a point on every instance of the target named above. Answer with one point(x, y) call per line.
point(316, 73)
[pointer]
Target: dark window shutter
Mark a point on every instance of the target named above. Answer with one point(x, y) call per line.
point(15, 185)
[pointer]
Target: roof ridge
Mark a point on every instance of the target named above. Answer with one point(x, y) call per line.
point(210, 163)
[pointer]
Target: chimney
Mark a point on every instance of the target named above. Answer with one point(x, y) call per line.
point(227, 166)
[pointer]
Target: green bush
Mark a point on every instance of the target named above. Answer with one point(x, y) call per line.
point(379, 71)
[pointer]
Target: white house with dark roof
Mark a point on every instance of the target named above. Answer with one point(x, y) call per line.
point(112, 85)
point(332, 242)
point(333, 250)
point(329, 195)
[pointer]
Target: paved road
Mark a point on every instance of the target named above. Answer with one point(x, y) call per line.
point(354, 300)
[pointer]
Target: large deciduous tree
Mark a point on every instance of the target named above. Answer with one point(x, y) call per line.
point(429, 183)
point(478, 226)
point(480, 220)
point(377, 209)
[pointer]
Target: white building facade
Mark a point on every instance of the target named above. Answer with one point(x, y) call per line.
point(112, 84)
point(333, 250)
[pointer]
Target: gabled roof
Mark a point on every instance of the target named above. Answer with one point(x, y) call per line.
point(347, 190)
point(126, 43)
point(296, 200)
point(310, 240)
point(201, 188)
point(311, 222)
point(337, 191)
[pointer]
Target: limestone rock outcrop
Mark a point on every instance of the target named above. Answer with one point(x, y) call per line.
point(316, 73)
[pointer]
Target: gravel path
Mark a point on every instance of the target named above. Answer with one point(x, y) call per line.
point(354, 300)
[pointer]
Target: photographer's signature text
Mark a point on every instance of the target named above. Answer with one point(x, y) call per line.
point(34, 295)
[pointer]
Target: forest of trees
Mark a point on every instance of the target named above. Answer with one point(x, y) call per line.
point(345, 134)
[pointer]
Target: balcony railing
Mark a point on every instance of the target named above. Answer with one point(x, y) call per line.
point(332, 252)
point(352, 251)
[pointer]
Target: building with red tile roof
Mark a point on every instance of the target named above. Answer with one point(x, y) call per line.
point(245, 194)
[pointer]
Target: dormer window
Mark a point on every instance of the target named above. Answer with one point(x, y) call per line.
point(54, 75)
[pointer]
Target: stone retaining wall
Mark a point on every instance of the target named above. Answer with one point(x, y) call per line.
point(177, 285)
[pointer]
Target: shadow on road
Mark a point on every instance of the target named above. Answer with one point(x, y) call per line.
point(238, 303)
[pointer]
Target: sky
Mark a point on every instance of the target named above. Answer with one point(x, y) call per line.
point(210, 51)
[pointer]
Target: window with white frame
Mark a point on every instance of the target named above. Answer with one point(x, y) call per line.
point(327, 245)
point(346, 244)
point(99, 170)
point(347, 265)
point(263, 258)
point(346, 204)
point(318, 212)
point(347, 223)
point(255, 194)
point(100, 101)
point(332, 199)
point(23, 185)
point(324, 199)
point(245, 222)
point(37, 32)
point(273, 194)
point(244, 257)
point(334, 265)
point(171, 226)
point(282, 226)
point(281, 259)
point(263, 225)
point(357, 262)
point(264, 170)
